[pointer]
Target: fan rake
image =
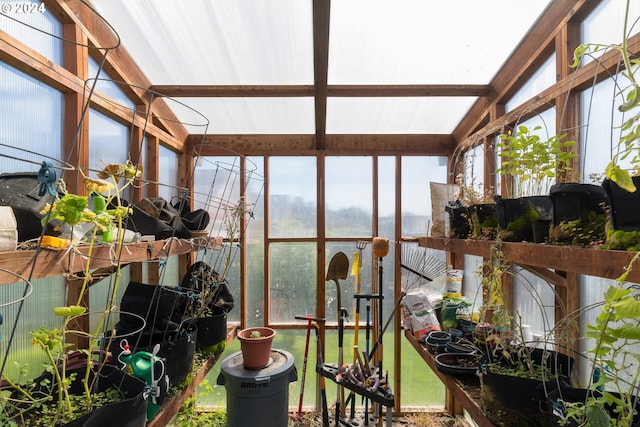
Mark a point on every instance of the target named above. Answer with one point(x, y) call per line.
point(419, 265)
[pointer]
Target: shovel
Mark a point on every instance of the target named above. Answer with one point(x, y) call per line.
point(338, 270)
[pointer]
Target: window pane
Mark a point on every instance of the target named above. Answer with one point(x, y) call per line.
point(45, 36)
point(167, 173)
point(104, 84)
point(108, 141)
point(349, 196)
point(417, 172)
point(293, 273)
point(601, 119)
point(30, 119)
point(292, 197)
point(544, 77)
point(255, 243)
point(216, 184)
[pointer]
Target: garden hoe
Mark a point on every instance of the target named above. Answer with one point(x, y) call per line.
point(338, 270)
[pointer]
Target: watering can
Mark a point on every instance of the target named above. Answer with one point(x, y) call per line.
point(150, 368)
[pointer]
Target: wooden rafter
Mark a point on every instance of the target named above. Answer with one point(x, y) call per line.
point(321, 18)
point(248, 91)
point(525, 60)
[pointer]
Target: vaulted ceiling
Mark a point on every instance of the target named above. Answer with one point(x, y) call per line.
point(312, 74)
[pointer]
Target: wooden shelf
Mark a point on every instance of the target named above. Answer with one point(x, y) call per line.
point(590, 261)
point(465, 392)
point(56, 262)
point(173, 405)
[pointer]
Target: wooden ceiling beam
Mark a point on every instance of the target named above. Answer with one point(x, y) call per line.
point(276, 91)
point(120, 64)
point(321, 18)
point(525, 60)
point(336, 144)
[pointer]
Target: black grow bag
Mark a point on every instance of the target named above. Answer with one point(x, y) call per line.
point(130, 412)
point(177, 349)
point(624, 205)
point(459, 221)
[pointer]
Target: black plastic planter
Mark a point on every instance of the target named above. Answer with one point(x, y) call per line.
point(212, 330)
point(459, 221)
point(517, 216)
point(558, 396)
point(484, 221)
point(573, 201)
point(624, 205)
point(520, 395)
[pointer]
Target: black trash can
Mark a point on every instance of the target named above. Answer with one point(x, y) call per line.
point(258, 397)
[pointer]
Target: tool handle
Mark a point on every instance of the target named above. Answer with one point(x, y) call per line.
point(310, 318)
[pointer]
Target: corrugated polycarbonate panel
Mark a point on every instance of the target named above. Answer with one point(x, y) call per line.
point(30, 119)
point(396, 115)
point(250, 115)
point(420, 42)
point(217, 42)
point(34, 25)
point(37, 311)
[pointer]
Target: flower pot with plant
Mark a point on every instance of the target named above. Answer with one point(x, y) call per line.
point(255, 345)
point(612, 396)
point(474, 211)
point(622, 172)
point(531, 163)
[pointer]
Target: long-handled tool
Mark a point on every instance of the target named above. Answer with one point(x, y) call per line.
point(380, 250)
point(309, 320)
point(321, 381)
point(338, 270)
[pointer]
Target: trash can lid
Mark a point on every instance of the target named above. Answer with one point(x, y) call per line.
point(282, 363)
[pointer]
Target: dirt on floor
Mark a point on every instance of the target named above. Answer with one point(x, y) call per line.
point(417, 419)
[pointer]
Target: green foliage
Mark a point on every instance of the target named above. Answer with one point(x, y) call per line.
point(616, 331)
point(628, 147)
point(624, 240)
point(533, 161)
point(585, 231)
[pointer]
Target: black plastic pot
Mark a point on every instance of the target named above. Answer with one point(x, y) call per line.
point(517, 216)
point(212, 329)
point(483, 220)
point(624, 205)
point(459, 221)
point(526, 394)
point(573, 201)
point(558, 396)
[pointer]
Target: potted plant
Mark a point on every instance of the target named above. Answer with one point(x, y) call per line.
point(79, 220)
point(474, 212)
point(622, 172)
point(531, 164)
point(612, 396)
point(255, 344)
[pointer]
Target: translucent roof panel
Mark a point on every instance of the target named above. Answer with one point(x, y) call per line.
point(396, 115)
point(216, 41)
point(425, 42)
point(249, 115)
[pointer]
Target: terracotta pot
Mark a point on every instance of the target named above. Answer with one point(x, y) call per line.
point(256, 351)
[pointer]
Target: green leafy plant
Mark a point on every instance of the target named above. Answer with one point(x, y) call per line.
point(628, 147)
point(71, 210)
point(531, 162)
point(614, 360)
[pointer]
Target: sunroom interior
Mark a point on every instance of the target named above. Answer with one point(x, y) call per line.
point(330, 121)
